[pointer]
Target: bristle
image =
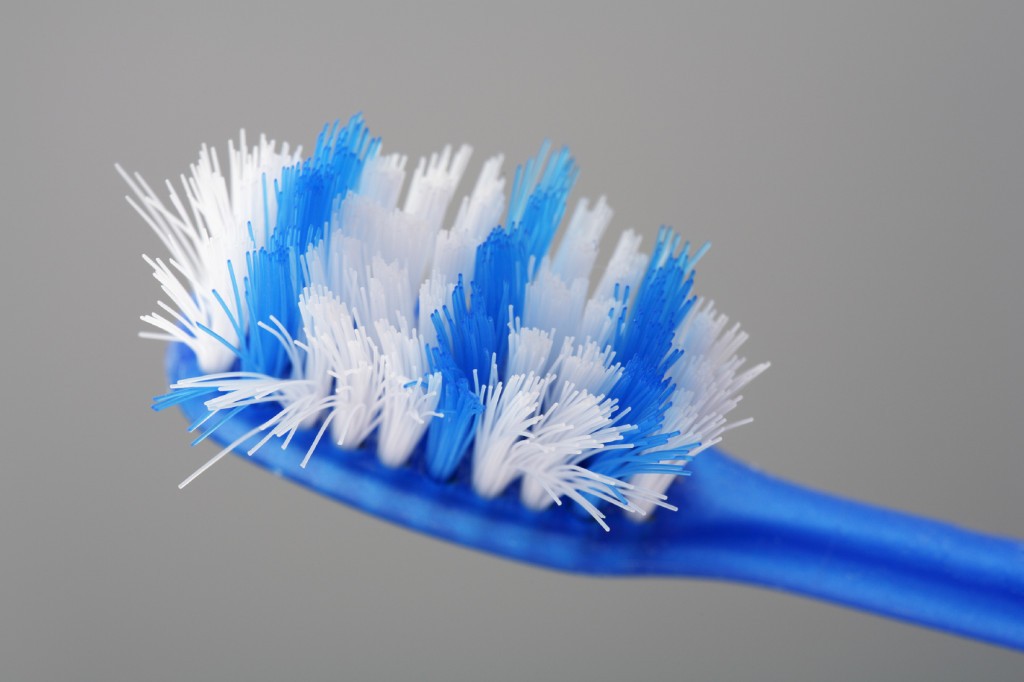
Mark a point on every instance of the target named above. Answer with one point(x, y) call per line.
point(356, 364)
point(529, 350)
point(510, 409)
point(433, 185)
point(410, 395)
point(435, 292)
point(553, 303)
point(382, 179)
point(574, 259)
point(313, 286)
point(391, 235)
point(588, 366)
point(625, 268)
point(575, 426)
point(481, 211)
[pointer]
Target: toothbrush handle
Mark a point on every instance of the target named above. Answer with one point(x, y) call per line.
point(733, 523)
point(743, 525)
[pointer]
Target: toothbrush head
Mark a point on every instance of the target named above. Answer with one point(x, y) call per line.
point(463, 377)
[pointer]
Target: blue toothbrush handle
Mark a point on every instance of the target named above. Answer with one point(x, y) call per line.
point(739, 524)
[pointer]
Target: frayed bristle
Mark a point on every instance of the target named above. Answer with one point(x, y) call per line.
point(365, 310)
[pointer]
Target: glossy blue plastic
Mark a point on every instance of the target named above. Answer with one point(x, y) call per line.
point(733, 523)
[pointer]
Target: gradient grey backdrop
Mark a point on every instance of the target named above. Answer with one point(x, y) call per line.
point(859, 169)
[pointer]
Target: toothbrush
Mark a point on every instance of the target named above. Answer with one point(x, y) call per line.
point(467, 382)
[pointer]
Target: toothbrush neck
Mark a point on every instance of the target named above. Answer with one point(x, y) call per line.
point(739, 524)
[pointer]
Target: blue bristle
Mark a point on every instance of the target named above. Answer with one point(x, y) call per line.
point(499, 284)
point(660, 303)
point(643, 339)
point(272, 288)
point(309, 191)
point(449, 437)
point(180, 396)
point(177, 397)
point(464, 350)
point(524, 183)
point(467, 339)
point(646, 392)
point(537, 219)
point(503, 261)
point(466, 346)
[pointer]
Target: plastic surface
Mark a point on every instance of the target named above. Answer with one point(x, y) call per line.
point(733, 523)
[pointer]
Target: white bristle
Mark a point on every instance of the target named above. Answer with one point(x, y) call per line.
point(576, 425)
point(529, 350)
point(482, 210)
point(406, 411)
point(479, 213)
point(554, 304)
point(251, 174)
point(382, 180)
point(434, 183)
point(574, 259)
point(390, 234)
point(588, 366)
point(455, 254)
point(357, 367)
point(408, 402)
point(510, 409)
point(600, 315)
point(625, 268)
point(380, 292)
point(403, 348)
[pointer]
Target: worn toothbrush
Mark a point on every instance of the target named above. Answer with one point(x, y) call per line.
point(466, 380)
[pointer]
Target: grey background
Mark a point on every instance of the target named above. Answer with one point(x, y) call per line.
point(859, 169)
